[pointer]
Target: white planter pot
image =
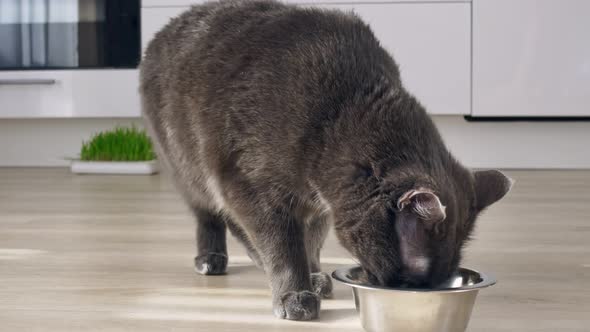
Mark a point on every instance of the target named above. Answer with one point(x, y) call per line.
point(114, 167)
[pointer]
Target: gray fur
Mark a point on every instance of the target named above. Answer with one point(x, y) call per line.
point(275, 120)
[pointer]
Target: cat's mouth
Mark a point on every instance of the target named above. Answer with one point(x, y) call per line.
point(397, 280)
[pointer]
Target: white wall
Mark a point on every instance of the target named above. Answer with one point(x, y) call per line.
point(517, 144)
point(46, 142)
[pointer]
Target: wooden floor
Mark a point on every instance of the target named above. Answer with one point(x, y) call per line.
point(114, 253)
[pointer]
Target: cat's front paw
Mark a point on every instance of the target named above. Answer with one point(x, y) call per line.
point(298, 306)
point(211, 264)
point(322, 284)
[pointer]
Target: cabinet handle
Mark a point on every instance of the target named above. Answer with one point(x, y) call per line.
point(27, 81)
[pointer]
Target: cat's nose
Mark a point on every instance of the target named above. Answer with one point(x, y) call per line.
point(417, 267)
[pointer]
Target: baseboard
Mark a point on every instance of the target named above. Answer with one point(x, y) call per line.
point(527, 118)
point(479, 144)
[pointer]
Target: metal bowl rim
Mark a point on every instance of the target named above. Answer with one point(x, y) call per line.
point(486, 281)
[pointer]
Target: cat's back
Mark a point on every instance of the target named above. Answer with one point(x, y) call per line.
point(171, 41)
point(188, 33)
point(224, 42)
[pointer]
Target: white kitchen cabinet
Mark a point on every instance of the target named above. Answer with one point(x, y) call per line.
point(531, 58)
point(431, 44)
point(69, 93)
point(155, 18)
point(429, 41)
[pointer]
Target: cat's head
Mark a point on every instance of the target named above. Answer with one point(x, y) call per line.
point(415, 237)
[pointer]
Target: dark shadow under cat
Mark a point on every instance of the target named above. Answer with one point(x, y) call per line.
point(277, 122)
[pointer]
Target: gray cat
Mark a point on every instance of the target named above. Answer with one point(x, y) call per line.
point(276, 121)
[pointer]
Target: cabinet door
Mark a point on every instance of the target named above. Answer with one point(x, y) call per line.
point(431, 44)
point(531, 58)
point(153, 19)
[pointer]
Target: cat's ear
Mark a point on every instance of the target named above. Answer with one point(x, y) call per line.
point(490, 187)
point(424, 203)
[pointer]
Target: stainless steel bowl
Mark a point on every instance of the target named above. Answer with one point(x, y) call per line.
point(446, 308)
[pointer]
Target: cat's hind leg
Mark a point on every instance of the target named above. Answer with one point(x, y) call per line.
point(211, 256)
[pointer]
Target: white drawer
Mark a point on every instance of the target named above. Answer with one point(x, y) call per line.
point(431, 42)
point(106, 93)
point(26, 94)
point(69, 93)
